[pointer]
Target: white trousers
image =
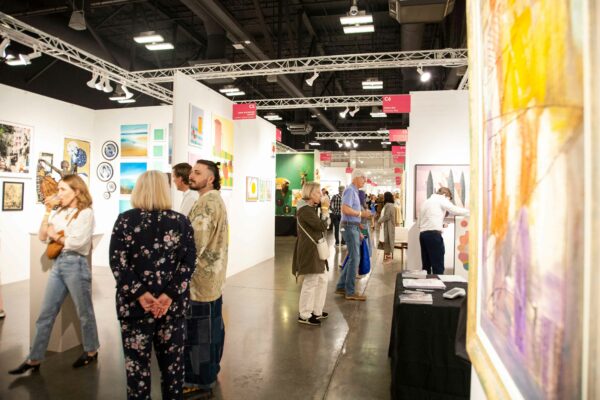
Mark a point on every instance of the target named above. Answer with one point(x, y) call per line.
point(312, 296)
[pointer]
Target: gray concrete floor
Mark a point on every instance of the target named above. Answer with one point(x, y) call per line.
point(268, 355)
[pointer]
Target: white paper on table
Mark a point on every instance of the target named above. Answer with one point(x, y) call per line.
point(452, 278)
point(423, 284)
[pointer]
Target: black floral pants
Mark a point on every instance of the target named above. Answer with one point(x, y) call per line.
point(167, 334)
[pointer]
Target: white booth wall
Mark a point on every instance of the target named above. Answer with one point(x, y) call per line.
point(251, 224)
point(438, 134)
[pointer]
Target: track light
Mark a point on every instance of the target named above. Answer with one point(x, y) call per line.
point(354, 144)
point(343, 113)
point(122, 93)
point(92, 82)
point(5, 43)
point(107, 88)
point(23, 59)
point(77, 20)
point(312, 79)
point(376, 112)
point(353, 112)
point(340, 144)
point(347, 143)
point(425, 76)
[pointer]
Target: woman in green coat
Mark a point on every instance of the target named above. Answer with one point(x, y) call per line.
point(306, 259)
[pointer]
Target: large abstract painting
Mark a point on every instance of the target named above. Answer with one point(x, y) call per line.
point(429, 178)
point(223, 149)
point(134, 140)
point(15, 149)
point(526, 82)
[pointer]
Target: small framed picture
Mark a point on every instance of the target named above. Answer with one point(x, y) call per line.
point(104, 171)
point(110, 150)
point(12, 196)
point(159, 135)
point(158, 150)
point(111, 186)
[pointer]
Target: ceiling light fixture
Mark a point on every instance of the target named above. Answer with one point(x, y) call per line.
point(386, 142)
point(359, 29)
point(126, 101)
point(347, 143)
point(372, 84)
point(238, 93)
point(312, 79)
point(357, 19)
point(92, 82)
point(229, 89)
point(340, 144)
point(77, 20)
point(238, 46)
point(425, 76)
point(353, 112)
point(160, 46)
point(315, 143)
point(149, 37)
point(5, 43)
point(272, 117)
point(122, 93)
point(22, 59)
point(107, 88)
point(343, 113)
point(376, 112)
point(354, 144)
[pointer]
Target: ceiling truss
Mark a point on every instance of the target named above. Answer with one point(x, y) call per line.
point(317, 102)
point(354, 135)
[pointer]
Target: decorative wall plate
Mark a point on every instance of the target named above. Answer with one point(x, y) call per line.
point(104, 171)
point(106, 195)
point(111, 186)
point(110, 150)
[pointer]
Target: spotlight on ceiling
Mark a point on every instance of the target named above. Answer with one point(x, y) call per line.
point(92, 82)
point(359, 29)
point(160, 46)
point(343, 113)
point(22, 59)
point(272, 117)
point(354, 144)
point(229, 89)
point(77, 20)
point(315, 143)
point(353, 112)
point(340, 144)
point(149, 37)
point(237, 93)
point(5, 43)
point(425, 76)
point(126, 101)
point(347, 143)
point(376, 112)
point(357, 21)
point(107, 88)
point(312, 79)
point(122, 93)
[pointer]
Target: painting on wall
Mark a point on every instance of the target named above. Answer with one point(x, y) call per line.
point(158, 150)
point(124, 205)
point(15, 149)
point(292, 171)
point(461, 246)
point(77, 153)
point(158, 135)
point(269, 191)
point(196, 127)
point(12, 196)
point(223, 149)
point(170, 143)
point(251, 188)
point(429, 178)
point(528, 134)
point(134, 140)
point(129, 174)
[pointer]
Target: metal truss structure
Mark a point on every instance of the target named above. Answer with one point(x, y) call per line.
point(282, 148)
point(354, 135)
point(317, 102)
point(338, 156)
point(464, 82)
point(40, 41)
point(348, 62)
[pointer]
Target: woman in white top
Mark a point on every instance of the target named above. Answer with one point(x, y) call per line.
point(72, 226)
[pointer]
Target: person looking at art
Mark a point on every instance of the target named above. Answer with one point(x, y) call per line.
point(352, 212)
point(325, 204)
point(387, 219)
point(306, 261)
point(152, 256)
point(71, 228)
point(335, 207)
point(431, 222)
point(181, 180)
point(205, 327)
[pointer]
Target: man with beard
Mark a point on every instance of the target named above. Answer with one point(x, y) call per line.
point(205, 327)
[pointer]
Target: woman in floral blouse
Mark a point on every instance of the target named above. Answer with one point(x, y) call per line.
point(152, 256)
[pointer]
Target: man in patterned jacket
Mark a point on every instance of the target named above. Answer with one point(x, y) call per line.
point(205, 327)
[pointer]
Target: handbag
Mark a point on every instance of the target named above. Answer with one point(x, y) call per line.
point(322, 245)
point(54, 248)
point(364, 267)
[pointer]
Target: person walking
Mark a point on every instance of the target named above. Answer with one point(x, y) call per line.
point(388, 221)
point(324, 206)
point(335, 207)
point(152, 257)
point(71, 227)
point(205, 327)
point(306, 261)
point(352, 212)
point(181, 180)
point(431, 221)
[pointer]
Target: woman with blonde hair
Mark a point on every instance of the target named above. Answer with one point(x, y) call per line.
point(71, 226)
point(306, 259)
point(152, 256)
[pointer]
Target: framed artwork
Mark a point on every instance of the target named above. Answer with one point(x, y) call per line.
point(429, 178)
point(170, 144)
point(110, 150)
point(158, 135)
point(134, 140)
point(158, 150)
point(15, 149)
point(111, 186)
point(196, 127)
point(223, 149)
point(157, 165)
point(531, 173)
point(251, 188)
point(129, 173)
point(77, 153)
point(269, 191)
point(461, 246)
point(47, 160)
point(12, 196)
point(104, 172)
point(45, 183)
point(124, 205)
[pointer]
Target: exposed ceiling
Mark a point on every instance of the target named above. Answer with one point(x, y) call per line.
point(203, 31)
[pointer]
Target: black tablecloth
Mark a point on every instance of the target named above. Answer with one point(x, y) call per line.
point(285, 226)
point(423, 349)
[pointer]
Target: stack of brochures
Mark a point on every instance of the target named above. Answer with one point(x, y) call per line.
point(415, 274)
point(412, 297)
point(423, 284)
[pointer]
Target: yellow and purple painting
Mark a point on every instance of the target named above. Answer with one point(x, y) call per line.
point(532, 213)
point(223, 149)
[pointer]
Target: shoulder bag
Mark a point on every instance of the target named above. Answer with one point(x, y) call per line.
point(322, 245)
point(54, 248)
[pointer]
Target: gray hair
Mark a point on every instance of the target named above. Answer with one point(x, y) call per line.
point(358, 173)
point(308, 188)
point(341, 189)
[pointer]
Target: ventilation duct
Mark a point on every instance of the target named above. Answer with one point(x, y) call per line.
point(420, 11)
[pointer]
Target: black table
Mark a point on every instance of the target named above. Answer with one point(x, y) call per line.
point(423, 348)
point(285, 225)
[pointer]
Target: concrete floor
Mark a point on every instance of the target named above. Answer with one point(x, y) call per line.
point(268, 355)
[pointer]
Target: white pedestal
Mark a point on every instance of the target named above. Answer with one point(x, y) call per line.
point(66, 332)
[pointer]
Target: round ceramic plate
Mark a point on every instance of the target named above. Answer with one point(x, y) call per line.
point(110, 150)
point(106, 195)
point(104, 171)
point(111, 186)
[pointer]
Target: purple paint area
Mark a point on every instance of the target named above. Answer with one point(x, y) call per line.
point(546, 350)
point(522, 263)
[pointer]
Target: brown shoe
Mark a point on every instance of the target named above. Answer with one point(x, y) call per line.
point(356, 296)
point(340, 291)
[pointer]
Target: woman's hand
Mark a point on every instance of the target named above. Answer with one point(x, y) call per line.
point(51, 202)
point(162, 305)
point(147, 301)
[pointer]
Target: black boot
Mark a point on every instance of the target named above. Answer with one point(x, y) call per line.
point(21, 369)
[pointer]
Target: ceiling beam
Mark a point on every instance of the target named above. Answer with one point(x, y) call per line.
point(314, 102)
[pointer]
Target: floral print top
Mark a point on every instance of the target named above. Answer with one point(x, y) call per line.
point(151, 251)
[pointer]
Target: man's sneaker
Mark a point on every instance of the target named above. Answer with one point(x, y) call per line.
point(356, 296)
point(309, 321)
point(340, 291)
point(324, 315)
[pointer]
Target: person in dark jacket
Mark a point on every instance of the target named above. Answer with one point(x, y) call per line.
point(306, 259)
point(152, 256)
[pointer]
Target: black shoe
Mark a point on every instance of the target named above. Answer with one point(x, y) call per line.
point(309, 321)
point(21, 369)
point(2, 314)
point(322, 316)
point(84, 360)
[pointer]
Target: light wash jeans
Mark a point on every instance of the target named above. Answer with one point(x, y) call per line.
point(70, 274)
point(351, 235)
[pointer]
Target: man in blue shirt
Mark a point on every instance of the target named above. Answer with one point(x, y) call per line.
point(352, 212)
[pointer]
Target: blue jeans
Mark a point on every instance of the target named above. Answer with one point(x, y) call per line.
point(70, 274)
point(351, 235)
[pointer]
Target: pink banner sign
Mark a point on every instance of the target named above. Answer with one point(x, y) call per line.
point(325, 156)
point(398, 135)
point(396, 104)
point(278, 134)
point(398, 170)
point(349, 170)
point(398, 180)
point(244, 111)
point(399, 159)
point(398, 150)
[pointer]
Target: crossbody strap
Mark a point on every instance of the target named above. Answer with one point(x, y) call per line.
point(304, 230)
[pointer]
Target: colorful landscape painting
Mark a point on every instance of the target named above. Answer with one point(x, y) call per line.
point(15, 149)
point(134, 140)
point(223, 149)
point(129, 174)
point(196, 127)
point(429, 178)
